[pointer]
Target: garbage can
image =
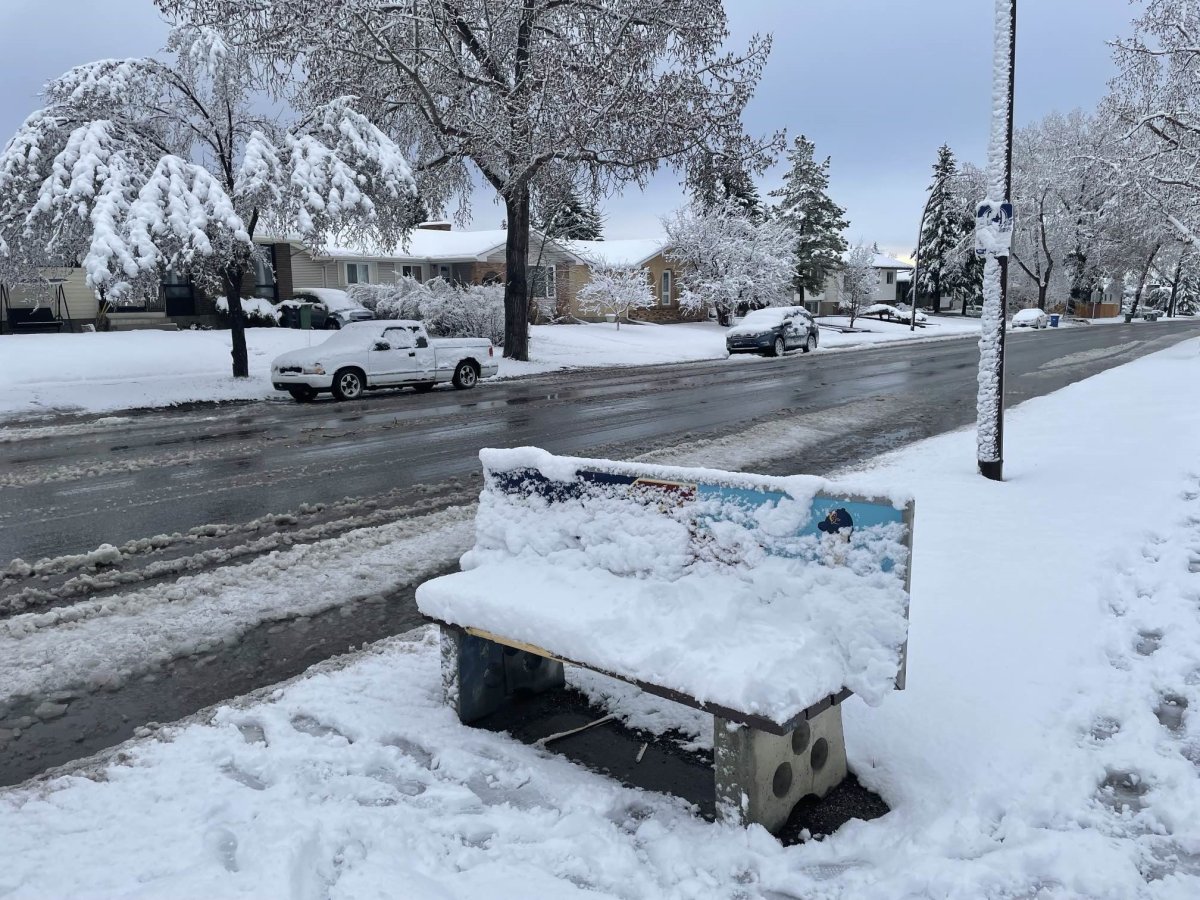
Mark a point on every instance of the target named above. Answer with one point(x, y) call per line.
point(1128, 318)
point(305, 316)
point(1053, 320)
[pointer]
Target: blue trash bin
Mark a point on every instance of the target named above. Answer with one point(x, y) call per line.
point(1053, 320)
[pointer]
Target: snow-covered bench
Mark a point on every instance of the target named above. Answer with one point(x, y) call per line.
point(765, 601)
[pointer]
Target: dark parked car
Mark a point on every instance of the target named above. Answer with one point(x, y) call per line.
point(773, 331)
point(330, 308)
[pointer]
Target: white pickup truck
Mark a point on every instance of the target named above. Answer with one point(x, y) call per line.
point(383, 353)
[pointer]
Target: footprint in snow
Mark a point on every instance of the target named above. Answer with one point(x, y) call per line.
point(1148, 642)
point(1170, 711)
point(251, 781)
point(1122, 791)
point(310, 726)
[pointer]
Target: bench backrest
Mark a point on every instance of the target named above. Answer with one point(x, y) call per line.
point(645, 520)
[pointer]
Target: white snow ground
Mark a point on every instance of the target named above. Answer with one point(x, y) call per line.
point(91, 373)
point(1047, 745)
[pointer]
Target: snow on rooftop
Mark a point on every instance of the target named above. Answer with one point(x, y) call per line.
point(427, 243)
point(620, 253)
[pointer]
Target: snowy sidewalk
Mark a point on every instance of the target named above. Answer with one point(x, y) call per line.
point(1047, 745)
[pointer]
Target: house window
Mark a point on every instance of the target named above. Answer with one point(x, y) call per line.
point(444, 272)
point(543, 282)
point(265, 285)
point(358, 273)
point(179, 294)
point(891, 277)
point(413, 272)
point(664, 290)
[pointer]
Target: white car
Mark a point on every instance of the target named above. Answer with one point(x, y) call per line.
point(364, 356)
point(1030, 318)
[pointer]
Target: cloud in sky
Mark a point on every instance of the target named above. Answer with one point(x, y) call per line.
point(877, 84)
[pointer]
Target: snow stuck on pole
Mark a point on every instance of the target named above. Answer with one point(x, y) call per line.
point(990, 399)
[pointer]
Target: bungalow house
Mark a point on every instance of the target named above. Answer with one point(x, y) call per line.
point(648, 254)
point(892, 280)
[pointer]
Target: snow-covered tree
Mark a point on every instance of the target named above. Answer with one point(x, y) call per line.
point(610, 90)
point(137, 167)
point(1156, 100)
point(942, 233)
point(728, 262)
point(804, 205)
point(619, 290)
point(571, 217)
point(859, 280)
point(718, 178)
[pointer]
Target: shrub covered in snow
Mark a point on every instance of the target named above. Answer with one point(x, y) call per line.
point(448, 310)
point(259, 313)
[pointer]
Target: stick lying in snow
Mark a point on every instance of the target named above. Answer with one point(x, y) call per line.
point(642, 752)
point(542, 742)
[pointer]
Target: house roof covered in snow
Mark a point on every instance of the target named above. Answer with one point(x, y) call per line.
point(883, 261)
point(623, 253)
point(424, 244)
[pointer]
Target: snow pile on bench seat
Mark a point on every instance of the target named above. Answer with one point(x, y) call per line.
point(729, 603)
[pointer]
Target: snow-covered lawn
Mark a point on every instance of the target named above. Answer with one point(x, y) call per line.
point(1047, 745)
point(94, 373)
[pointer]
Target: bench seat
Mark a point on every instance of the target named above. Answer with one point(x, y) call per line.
point(766, 643)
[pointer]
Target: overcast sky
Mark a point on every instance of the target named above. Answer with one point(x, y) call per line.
point(877, 84)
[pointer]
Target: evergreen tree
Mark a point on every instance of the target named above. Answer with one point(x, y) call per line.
point(573, 219)
point(720, 179)
point(942, 234)
point(817, 223)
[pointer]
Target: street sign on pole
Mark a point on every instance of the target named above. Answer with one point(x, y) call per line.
point(993, 228)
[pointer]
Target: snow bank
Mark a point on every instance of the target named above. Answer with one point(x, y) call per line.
point(131, 369)
point(1046, 745)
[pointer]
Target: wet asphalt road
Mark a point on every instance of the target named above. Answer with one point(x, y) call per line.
point(165, 472)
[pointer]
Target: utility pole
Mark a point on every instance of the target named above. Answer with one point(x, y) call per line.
point(993, 233)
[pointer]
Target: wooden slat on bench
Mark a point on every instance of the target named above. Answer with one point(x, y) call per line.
point(754, 721)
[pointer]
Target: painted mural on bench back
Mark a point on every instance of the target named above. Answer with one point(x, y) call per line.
point(653, 520)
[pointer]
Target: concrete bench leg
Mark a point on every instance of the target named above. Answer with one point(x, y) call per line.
point(479, 676)
point(761, 776)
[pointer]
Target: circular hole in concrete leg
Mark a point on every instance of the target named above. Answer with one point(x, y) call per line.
point(820, 754)
point(782, 782)
point(800, 738)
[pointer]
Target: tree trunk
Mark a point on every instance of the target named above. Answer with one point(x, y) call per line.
point(1043, 287)
point(1137, 297)
point(516, 287)
point(1175, 287)
point(237, 323)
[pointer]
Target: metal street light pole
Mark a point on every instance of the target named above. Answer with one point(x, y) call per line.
point(990, 425)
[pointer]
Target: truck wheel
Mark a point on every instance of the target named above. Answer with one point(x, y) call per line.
point(348, 384)
point(465, 376)
point(303, 393)
point(423, 387)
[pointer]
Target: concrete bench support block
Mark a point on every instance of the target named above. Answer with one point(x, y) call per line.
point(479, 676)
point(761, 776)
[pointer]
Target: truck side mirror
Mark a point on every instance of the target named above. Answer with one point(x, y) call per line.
point(382, 345)
point(422, 343)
